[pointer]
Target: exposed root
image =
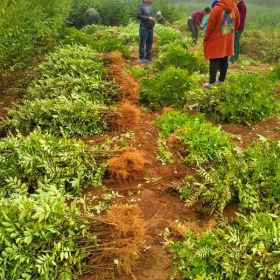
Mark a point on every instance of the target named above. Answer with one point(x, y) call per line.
point(127, 117)
point(166, 110)
point(127, 166)
point(128, 86)
point(129, 232)
point(121, 241)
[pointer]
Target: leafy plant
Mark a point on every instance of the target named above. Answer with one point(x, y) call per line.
point(172, 121)
point(75, 72)
point(138, 72)
point(166, 34)
point(29, 27)
point(275, 73)
point(244, 98)
point(43, 238)
point(167, 88)
point(59, 116)
point(177, 56)
point(249, 178)
point(203, 141)
point(251, 244)
point(260, 44)
point(39, 160)
point(164, 155)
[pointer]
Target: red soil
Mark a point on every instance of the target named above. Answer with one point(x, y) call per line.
point(247, 135)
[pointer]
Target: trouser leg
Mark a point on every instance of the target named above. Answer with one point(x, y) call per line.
point(193, 30)
point(224, 69)
point(143, 34)
point(149, 43)
point(236, 46)
point(213, 69)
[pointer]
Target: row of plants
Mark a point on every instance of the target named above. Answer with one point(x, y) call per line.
point(227, 175)
point(35, 25)
point(118, 12)
point(45, 233)
point(68, 98)
point(43, 238)
point(244, 98)
point(246, 249)
point(40, 161)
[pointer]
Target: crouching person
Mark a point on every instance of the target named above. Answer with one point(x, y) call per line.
point(92, 16)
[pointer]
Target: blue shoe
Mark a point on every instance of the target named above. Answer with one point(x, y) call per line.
point(143, 60)
point(150, 59)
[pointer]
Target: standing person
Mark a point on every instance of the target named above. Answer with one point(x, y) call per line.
point(146, 15)
point(242, 8)
point(218, 41)
point(206, 18)
point(92, 16)
point(195, 21)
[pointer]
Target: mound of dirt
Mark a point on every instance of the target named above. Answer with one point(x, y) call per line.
point(127, 166)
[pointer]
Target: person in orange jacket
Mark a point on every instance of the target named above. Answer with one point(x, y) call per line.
point(224, 21)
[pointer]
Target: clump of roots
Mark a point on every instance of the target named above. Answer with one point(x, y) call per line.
point(128, 86)
point(127, 116)
point(127, 166)
point(121, 235)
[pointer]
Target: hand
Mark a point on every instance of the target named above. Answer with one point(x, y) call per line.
point(152, 19)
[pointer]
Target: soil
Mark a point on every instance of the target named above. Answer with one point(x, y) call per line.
point(247, 135)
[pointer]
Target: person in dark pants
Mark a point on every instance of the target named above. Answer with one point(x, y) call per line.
point(242, 8)
point(92, 16)
point(223, 22)
point(146, 15)
point(195, 21)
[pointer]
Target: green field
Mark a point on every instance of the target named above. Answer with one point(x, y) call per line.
point(113, 169)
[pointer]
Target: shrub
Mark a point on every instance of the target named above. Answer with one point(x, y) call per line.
point(248, 249)
point(73, 71)
point(203, 141)
point(261, 45)
point(59, 117)
point(250, 178)
point(170, 122)
point(138, 72)
point(275, 73)
point(38, 161)
point(28, 27)
point(73, 60)
point(166, 34)
point(167, 88)
point(177, 56)
point(126, 35)
point(41, 237)
point(244, 98)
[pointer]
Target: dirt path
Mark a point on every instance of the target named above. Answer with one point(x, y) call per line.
point(159, 206)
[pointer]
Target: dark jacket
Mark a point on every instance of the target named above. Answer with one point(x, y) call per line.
point(145, 11)
point(92, 16)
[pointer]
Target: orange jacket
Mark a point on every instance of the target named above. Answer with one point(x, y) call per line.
point(223, 22)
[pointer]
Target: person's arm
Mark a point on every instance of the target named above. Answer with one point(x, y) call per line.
point(212, 22)
point(140, 14)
